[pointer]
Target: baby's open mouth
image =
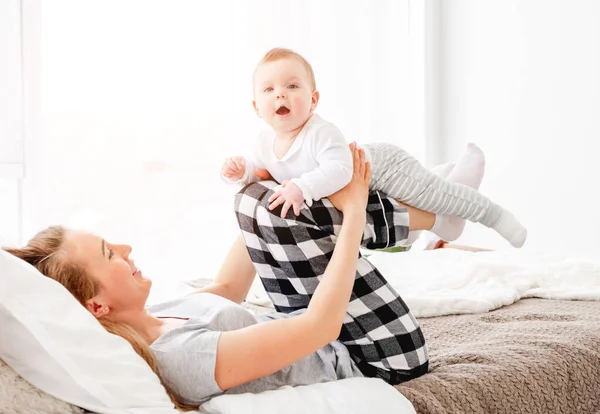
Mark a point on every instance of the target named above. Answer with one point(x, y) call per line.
point(282, 110)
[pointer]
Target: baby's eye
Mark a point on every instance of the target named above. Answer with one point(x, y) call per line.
point(293, 86)
point(267, 89)
point(110, 254)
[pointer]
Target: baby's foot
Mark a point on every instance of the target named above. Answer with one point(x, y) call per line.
point(470, 167)
point(443, 170)
point(511, 229)
point(448, 228)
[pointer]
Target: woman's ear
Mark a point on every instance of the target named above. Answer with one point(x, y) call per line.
point(97, 307)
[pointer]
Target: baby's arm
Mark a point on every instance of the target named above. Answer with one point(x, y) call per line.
point(331, 151)
point(239, 170)
point(242, 170)
point(251, 167)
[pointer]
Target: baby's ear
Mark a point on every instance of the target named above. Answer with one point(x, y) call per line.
point(314, 100)
point(256, 109)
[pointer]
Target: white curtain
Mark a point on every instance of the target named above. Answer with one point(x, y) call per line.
point(142, 101)
point(11, 120)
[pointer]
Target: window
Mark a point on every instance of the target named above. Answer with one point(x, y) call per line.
point(11, 122)
point(142, 101)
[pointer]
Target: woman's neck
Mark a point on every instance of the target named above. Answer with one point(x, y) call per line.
point(147, 326)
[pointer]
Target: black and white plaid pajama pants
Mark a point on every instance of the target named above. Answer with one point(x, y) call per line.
point(290, 256)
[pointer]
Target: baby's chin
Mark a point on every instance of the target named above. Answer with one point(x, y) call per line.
point(282, 127)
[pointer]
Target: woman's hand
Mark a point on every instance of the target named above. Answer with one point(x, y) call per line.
point(356, 193)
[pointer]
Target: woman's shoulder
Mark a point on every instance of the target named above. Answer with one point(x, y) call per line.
point(206, 311)
point(187, 354)
point(193, 304)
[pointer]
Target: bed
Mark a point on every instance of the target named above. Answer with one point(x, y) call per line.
point(535, 356)
point(507, 333)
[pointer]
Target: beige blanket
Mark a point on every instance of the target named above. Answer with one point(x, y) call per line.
point(535, 356)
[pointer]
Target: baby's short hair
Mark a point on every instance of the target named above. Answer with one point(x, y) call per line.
point(279, 53)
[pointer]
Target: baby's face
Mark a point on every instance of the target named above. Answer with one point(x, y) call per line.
point(283, 94)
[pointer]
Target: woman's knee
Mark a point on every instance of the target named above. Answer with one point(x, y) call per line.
point(252, 194)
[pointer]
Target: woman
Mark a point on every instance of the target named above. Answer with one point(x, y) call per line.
point(205, 344)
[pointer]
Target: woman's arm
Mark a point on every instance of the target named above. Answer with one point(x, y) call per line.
point(235, 276)
point(253, 352)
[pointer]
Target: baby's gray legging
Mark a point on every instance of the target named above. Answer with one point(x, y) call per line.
point(398, 174)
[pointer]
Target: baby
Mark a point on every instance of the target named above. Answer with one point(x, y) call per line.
point(311, 159)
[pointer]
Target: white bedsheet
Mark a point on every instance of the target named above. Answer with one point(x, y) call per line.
point(449, 281)
point(347, 396)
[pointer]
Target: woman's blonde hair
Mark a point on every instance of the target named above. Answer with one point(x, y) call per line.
point(44, 252)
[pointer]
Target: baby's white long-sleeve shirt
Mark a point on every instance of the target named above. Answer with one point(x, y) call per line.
point(319, 161)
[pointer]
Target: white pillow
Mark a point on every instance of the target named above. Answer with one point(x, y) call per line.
point(347, 396)
point(59, 347)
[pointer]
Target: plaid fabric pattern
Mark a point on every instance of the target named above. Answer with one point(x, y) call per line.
point(290, 255)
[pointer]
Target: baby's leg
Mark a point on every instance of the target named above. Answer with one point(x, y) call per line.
point(401, 176)
point(442, 171)
point(468, 171)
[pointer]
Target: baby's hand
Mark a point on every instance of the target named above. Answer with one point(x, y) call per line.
point(234, 168)
point(289, 194)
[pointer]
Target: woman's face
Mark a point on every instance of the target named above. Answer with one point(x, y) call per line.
point(123, 288)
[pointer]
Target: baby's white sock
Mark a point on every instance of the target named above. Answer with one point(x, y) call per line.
point(468, 171)
point(511, 229)
point(470, 167)
point(443, 170)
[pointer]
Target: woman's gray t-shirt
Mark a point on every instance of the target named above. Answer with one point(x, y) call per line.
point(187, 354)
